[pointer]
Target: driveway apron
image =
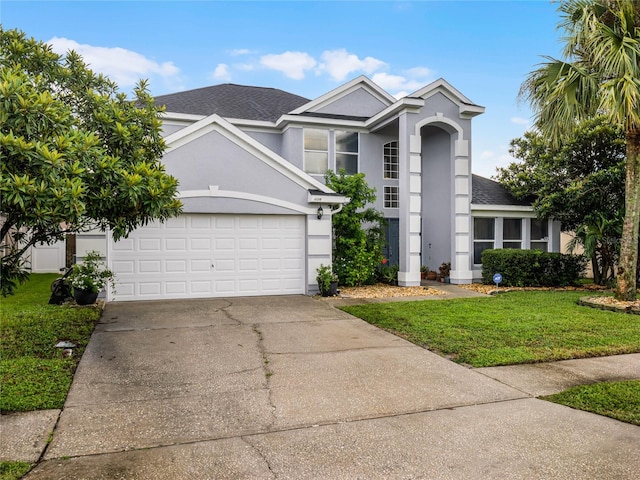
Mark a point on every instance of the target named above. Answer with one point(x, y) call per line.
point(290, 387)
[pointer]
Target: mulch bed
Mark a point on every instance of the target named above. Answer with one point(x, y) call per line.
point(382, 290)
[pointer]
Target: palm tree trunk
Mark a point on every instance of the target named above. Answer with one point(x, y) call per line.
point(626, 289)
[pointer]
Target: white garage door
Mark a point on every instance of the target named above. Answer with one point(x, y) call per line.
point(203, 255)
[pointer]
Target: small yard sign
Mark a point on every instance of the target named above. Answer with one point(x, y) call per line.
point(497, 279)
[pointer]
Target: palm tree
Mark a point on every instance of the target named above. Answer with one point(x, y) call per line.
point(600, 73)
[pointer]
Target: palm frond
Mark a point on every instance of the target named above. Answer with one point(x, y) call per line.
point(561, 93)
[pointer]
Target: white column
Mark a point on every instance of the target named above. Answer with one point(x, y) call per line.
point(461, 263)
point(318, 248)
point(410, 182)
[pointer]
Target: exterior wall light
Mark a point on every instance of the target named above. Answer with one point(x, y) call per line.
point(320, 212)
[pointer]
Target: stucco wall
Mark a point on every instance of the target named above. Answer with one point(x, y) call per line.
point(215, 160)
point(359, 103)
point(437, 210)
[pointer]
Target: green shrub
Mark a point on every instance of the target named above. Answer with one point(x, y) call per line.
point(532, 268)
point(356, 263)
point(388, 273)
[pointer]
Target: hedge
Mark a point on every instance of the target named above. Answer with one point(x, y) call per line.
point(532, 268)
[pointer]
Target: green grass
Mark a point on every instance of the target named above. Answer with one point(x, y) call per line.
point(34, 374)
point(619, 400)
point(13, 470)
point(510, 328)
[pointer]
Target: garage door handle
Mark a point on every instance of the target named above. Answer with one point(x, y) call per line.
point(213, 266)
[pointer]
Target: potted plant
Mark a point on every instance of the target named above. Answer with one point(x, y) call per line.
point(445, 270)
point(432, 275)
point(89, 278)
point(327, 281)
point(423, 271)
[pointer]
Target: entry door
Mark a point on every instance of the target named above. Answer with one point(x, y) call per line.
point(391, 249)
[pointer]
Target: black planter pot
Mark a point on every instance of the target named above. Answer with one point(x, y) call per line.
point(84, 297)
point(332, 292)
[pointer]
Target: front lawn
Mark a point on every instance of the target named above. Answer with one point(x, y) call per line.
point(510, 328)
point(619, 400)
point(34, 374)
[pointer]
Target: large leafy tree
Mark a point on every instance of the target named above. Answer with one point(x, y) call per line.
point(580, 183)
point(75, 153)
point(599, 73)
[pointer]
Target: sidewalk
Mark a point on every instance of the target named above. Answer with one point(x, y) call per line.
point(289, 387)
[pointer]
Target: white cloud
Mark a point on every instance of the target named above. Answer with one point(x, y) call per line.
point(520, 121)
point(221, 72)
point(246, 67)
point(488, 161)
point(340, 63)
point(123, 66)
point(419, 72)
point(240, 51)
point(487, 154)
point(292, 64)
point(397, 83)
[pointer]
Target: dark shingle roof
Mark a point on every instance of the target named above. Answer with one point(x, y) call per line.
point(488, 192)
point(233, 101)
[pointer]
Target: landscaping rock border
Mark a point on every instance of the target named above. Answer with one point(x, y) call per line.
point(610, 304)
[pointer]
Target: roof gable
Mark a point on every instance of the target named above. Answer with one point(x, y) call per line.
point(237, 136)
point(360, 97)
point(468, 109)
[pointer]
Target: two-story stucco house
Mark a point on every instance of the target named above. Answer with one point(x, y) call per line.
point(257, 215)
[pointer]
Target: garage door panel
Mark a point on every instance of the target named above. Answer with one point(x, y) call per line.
point(201, 255)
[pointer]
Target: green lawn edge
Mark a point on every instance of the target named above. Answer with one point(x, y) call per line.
point(35, 375)
point(618, 400)
point(507, 329)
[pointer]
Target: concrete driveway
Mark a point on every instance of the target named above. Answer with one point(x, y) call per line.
point(289, 387)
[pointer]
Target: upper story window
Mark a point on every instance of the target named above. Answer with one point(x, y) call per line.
point(512, 233)
point(316, 151)
point(484, 235)
point(324, 150)
point(347, 151)
point(539, 235)
point(390, 166)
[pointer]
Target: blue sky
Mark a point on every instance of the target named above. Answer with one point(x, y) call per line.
point(483, 48)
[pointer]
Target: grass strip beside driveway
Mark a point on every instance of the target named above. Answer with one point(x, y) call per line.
point(619, 400)
point(34, 374)
point(510, 328)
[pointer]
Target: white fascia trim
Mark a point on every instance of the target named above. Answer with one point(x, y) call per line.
point(500, 210)
point(470, 111)
point(327, 199)
point(440, 84)
point(319, 121)
point(181, 117)
point(258, 124)
point(215, 192)
point(345, 89)
point(389, 113)
point(218, 124)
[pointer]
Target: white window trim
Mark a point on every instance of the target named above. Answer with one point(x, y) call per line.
point(384, 162)
point(525, 233)
point(336, 152)
point(388, 189)
point(327, 151)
